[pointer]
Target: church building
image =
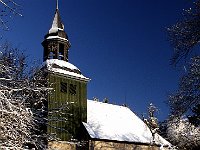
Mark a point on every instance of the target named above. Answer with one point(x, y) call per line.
point(71, 115)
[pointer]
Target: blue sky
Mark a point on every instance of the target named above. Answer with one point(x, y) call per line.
point(120, 44)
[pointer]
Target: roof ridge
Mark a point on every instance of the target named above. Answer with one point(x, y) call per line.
point(110, 104)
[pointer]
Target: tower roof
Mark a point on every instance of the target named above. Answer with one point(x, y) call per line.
point(57, 23)
point(57, 27)
point(63, 68)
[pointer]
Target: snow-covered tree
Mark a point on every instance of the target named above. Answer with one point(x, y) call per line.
point(182, 131)
point(152, 121)
point(15, 117)
point(15, 120)
point(195, 117)
point(188, 94)
point(22, 103)
point(184, 35)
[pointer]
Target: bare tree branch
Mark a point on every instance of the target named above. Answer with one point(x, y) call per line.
point(10, 8)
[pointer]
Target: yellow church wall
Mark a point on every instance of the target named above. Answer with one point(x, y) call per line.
point(104, 145)
point(101, 145)
point(61, 145)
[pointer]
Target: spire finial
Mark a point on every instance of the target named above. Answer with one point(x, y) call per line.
point(57, 5)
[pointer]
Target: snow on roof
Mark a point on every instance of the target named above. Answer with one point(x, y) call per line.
point(56, 37)
point(63, 67)
point(113, 122)
point(55, 30)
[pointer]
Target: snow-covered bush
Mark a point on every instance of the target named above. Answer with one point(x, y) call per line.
point(184, 134)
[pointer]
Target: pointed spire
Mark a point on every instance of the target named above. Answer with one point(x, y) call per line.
point(57, 27)
point(57, 23)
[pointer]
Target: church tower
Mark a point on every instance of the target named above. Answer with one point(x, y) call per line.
point(67, 101)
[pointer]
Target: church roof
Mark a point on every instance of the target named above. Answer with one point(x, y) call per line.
point(117, 123)
point(64, 68)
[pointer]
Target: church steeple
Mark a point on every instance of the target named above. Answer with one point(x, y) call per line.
point(68, 84)
point(56, 44)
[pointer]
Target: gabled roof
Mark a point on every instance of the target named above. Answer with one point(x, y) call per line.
point(118, 123)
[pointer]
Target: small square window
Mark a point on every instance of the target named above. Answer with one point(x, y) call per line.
point(72, 89)
point(63, 87)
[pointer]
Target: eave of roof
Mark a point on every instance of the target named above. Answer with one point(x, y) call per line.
point(63, 68)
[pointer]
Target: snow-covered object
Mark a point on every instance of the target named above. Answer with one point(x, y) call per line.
point(65, 68)
point(55, 30)
point(118, 123)
point(183, 133)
